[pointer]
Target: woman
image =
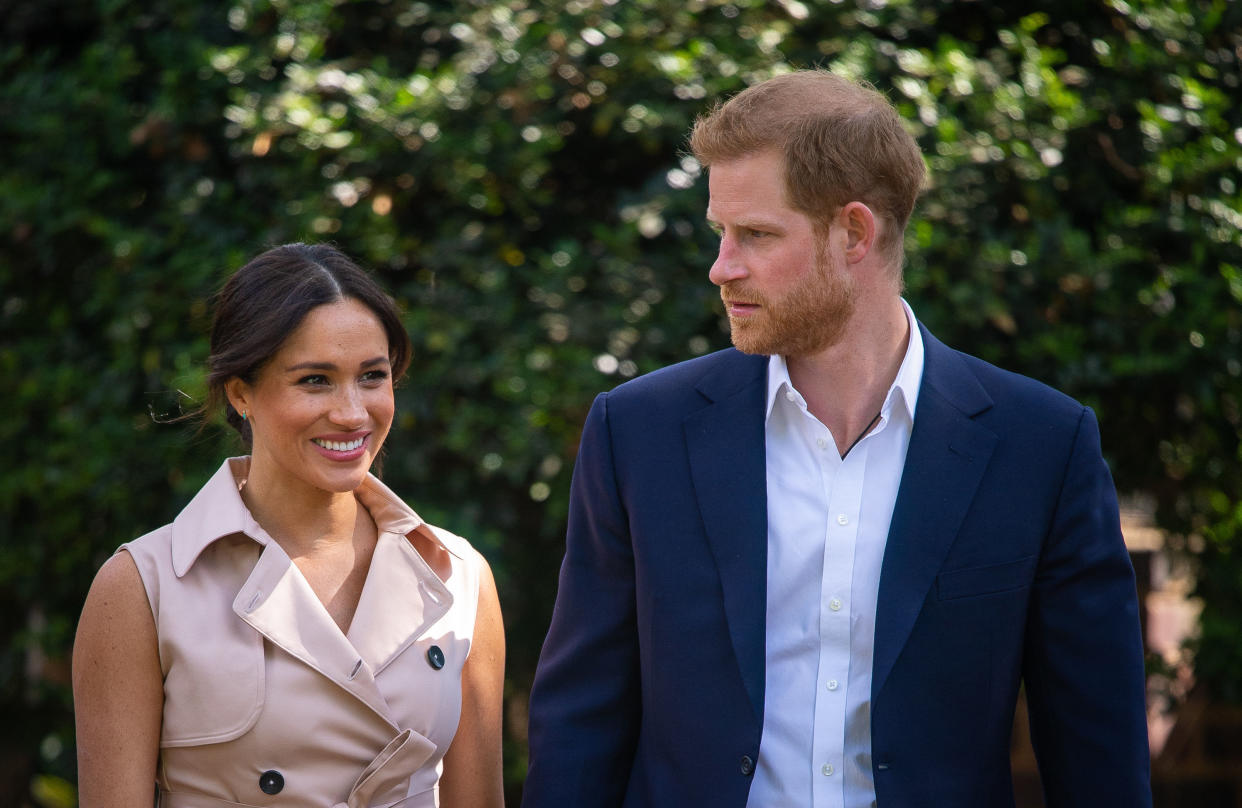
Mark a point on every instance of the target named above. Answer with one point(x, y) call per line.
point(297, 636)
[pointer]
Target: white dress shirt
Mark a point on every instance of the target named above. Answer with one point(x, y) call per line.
point(828, 522)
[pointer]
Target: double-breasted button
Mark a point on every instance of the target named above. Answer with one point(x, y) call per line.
point(435, 657)
point(271, 782)
point(746, 765)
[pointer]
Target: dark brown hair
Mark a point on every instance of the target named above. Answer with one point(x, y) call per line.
point(841, 140)
point(266, 300)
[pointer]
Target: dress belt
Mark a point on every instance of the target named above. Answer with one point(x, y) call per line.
point(391, 767)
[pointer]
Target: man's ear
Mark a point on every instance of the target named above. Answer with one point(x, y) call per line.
point(861, 230)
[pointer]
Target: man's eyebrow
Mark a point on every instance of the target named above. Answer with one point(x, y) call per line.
point(748, 224)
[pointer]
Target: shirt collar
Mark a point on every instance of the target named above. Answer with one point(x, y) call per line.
point(904, 391)
point(218, 510)
point(909, 380)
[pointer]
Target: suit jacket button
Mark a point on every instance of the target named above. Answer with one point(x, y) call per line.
point(435, 657)
point(747, 765)
point(271, 782)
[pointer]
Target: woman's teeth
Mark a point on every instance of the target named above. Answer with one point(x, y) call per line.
point(338, 446)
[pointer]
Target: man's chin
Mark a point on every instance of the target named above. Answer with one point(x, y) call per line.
point(791, 347)
point(751, 349)
point(752, 343)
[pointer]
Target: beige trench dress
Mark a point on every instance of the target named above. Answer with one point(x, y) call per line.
point(266, 701)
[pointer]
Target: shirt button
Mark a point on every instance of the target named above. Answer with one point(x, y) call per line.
point(842, 519)
point(821, 443)
point(835, 604)
point(790, 395)
point(833, 684)
point(827, 769)
point(435, 657)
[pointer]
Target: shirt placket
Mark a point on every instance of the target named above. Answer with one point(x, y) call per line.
point(843, 498)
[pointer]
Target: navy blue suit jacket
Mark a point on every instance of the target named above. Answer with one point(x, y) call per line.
point(1004, 564)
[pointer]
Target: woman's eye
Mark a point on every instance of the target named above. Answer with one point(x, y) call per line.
point(313, 380)
point(375, 376)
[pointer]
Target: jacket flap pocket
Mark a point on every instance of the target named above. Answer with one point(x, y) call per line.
point(986, 580)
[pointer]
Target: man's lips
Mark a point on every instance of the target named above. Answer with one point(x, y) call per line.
point(739, 308)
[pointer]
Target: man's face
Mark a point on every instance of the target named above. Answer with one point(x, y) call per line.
point(784, 290)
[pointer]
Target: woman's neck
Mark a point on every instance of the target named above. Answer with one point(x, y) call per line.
point(301, 518)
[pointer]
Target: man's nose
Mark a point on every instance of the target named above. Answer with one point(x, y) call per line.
point(729, 265)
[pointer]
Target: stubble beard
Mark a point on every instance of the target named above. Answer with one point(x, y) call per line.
point(809, 318)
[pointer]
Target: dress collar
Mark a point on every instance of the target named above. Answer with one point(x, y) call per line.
point(217, 510)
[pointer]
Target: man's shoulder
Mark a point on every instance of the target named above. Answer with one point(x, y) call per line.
point(722, 370)
point(1007, 390)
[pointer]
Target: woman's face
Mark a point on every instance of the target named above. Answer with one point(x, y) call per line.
point(321, 407)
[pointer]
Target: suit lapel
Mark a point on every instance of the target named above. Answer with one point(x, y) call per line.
point(945, 462)
point(726, 448)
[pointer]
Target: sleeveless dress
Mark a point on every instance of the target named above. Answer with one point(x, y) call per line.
point(266, 701)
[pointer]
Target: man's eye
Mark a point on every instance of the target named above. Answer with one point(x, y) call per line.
point(756, 233)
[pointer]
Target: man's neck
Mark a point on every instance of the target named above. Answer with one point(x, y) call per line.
point(845, 385)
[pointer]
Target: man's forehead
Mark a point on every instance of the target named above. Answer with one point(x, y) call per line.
point(746, 210)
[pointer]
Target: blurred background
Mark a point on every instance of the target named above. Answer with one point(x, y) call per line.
point(515, 173)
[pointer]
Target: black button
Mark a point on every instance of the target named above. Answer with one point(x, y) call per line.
point(435, 657)
point(747, 765)
point(271, 782)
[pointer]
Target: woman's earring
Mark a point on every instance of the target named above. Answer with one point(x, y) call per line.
point(245, 415)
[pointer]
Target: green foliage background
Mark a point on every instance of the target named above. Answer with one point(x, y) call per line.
point(513, 170)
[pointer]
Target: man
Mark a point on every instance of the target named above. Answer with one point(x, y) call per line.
point(815, 571)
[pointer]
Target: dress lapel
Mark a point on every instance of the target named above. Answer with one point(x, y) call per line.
point(945, 462)
point(278, 603)
point(401, 599)
point(726, 447)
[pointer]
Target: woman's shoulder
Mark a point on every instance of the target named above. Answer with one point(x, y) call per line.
point(457, 563)
point(143, 559)
point(457, 545)
point(119, 580)
point(157, 543)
